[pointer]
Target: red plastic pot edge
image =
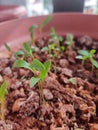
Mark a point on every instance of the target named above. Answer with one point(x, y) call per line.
point(8, 12)
point(16, 32)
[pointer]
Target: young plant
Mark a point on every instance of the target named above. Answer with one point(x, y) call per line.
point(44, 23)
point(39, 70)
point(69, 40)
point(31, 30)
point(84, 55)
point(7, 47)
point(27, 51)
point(56, 38)
point(3, 92)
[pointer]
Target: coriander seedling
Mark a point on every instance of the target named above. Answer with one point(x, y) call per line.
point(7, 47)
point(39, 70)
point(84, 55)
point(72, 81)
point(69, 40)
point(27, 51)
point(44, 23)
point(31, 30)
point(3, 92)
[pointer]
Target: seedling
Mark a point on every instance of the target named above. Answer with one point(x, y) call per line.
point(44, 23)
point(27, 51)
point(3, 92)
point(69, 40)
point(72, 81)
point(31, 30)
point(7, 47)
point(39, 70)
point(84, 55)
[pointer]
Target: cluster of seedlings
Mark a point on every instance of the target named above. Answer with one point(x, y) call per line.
point(39, 69)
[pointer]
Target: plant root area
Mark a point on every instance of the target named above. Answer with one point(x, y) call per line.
point(70, 90)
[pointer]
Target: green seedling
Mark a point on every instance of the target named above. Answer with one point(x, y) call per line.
point(7, 47)
point(3, 92)
point(31, 30)
point(39, 70)
point(44, 23)
point(27, 51)
point(57, 39)
point(72, 81)
point(69, 40)
point(84, 55)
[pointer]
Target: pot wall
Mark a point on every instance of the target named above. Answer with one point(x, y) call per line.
point(9, 12)
point(16, 31)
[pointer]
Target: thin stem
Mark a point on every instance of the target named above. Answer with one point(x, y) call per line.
point(42, 100)
point(2, 115)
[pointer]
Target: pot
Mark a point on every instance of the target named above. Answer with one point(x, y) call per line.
point(16, 32)
point(8, 12)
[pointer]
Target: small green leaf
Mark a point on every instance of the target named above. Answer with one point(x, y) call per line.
point(33, 81)
point(79, 57)
point(45, 22)
point(71, 80)
point(18, 53)
point(83, 52)
point(22, 64)
point(69, 39)
point(92, 52)
point(95, 63)
point(47, 65)
point(7, 47)
point(27, 48)
point(31, 29)
point(3, 91)
point(44, 49)
point(36, 64)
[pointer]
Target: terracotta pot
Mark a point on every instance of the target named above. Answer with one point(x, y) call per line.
point(8, 12)
point(16, 32)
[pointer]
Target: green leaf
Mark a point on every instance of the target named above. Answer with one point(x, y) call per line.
point(36, 64)
point(22, 64)
point(92, 52)
point(44, 49)
point(95, 63)
point(44, 72)
point(27, 48)
point(79, 57)
point(71, 80)
point(45, 22)
point(33, 81)
point(31, 29)
point(83, 52)
point(47, 65)
point(3, 91)
point(69, 39)
point(18, 53)
point(7, 47)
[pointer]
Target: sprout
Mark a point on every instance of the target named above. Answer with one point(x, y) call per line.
point(31, 30)
point(7, 47)
point(69, 40)
point(84, 55)
point(3, 92)
point(27, 51)
point(44, 23)
point(36, 67)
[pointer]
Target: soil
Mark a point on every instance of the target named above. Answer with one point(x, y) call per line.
point(68, 105)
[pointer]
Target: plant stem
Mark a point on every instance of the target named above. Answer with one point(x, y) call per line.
point(42, 100)
point(2, 115)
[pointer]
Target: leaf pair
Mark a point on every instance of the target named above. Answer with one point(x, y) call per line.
point(84, 55)
point(34, 66)
point(27, 51)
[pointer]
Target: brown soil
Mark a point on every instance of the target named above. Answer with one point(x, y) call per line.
point(68, 106)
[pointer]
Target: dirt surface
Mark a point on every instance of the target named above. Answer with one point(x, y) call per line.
point(68, 105)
